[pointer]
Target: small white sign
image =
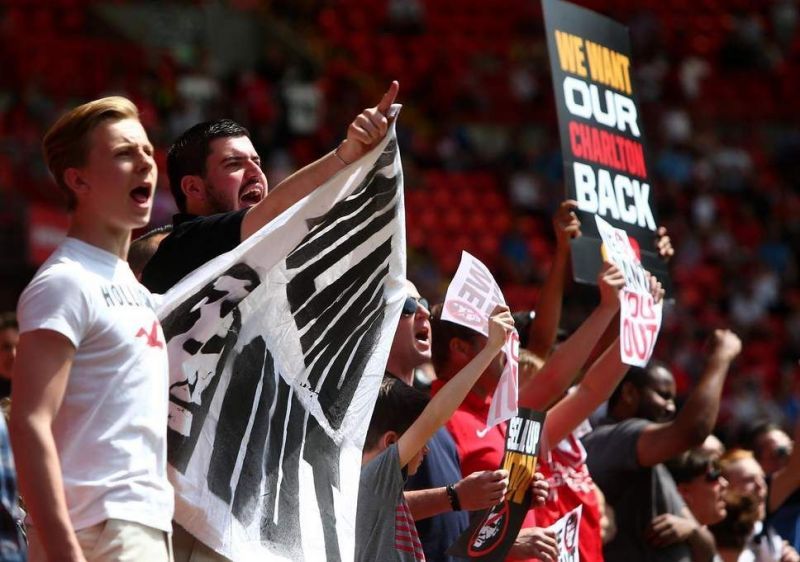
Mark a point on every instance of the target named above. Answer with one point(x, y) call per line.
point(472, 295)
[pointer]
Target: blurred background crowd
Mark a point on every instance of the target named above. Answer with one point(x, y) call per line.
point(717, 81)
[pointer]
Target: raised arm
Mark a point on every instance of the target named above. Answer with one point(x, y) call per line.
point(41, 371)
point(363, 134)
point(786, 480)
point(596, 387)
point(452, 394)
point(543, 330)
point(660, 442)
point(561, 368)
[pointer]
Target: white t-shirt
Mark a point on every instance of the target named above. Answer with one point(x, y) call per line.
point(110, 431)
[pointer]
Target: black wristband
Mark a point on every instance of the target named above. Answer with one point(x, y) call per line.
point(452, 495)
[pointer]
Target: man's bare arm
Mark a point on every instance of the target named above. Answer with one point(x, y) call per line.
point(659, 442)
point(41, 372)
point(543, 330)
point(363, 134)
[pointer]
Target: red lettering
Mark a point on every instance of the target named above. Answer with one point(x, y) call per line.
point(575, 144)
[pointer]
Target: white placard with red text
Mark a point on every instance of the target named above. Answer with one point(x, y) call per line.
point(472, 295)
point(640, 317)
point(567, 531)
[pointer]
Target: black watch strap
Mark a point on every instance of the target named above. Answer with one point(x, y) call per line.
point(452, 495)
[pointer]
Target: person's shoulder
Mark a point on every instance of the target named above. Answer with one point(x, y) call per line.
point(185, 223)
point(60, 273)
point(609, 428)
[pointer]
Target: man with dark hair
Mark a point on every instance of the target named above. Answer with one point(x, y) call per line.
point(701, 485)
point(626, 452)
point(9, 338)
point(221, 191)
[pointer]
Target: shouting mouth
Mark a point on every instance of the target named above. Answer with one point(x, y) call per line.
point(252, 193)
point(141, 194)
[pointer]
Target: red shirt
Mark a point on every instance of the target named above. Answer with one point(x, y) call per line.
point(564, 466)
point(478, 448)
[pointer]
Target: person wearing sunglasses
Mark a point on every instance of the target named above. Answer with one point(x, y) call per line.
point(700, 484)
point(438, 498)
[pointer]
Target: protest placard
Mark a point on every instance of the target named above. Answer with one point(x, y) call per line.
point(602, 140)
point(493, 531)
point(472, 295)
point(640, 316)
point(567, 531)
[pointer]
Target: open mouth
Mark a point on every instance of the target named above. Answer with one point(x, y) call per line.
point(423, 336)
point(252, 194)
point(141, 194)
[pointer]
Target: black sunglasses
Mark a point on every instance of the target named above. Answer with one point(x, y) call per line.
point(411, 304)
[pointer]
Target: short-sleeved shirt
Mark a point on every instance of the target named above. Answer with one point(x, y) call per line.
point(478, 448)
point(385, 529)
point(193, 242)
point(571, 485)
point(110, 430)
point(637, 493)
point(439, 468)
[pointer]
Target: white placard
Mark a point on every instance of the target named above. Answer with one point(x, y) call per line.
point(472, 295)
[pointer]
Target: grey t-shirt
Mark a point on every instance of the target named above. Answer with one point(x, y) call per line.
point(636, 493)
point(385, 529)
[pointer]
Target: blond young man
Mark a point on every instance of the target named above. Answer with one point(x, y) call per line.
point(90, 392)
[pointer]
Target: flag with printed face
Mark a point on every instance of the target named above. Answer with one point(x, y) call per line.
point(277, 350)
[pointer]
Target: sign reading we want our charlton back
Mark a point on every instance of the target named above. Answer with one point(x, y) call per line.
point(605, 164)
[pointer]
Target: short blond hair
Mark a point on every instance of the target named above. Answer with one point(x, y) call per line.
point(66, 143)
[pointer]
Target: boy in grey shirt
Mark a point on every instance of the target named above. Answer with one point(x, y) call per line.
point(402, 422)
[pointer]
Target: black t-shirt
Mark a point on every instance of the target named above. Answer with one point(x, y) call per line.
point(193, 242)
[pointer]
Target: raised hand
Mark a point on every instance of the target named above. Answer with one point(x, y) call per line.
point(566, 224)
point(501, 324)
point(664, 244)
point(369, 128)
point(656, 289)
point(726, 345)
point(610, 280)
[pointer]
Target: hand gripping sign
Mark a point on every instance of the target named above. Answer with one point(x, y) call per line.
point(472, 295)
point(567, 531)
point(492, 532)
point(640, 318)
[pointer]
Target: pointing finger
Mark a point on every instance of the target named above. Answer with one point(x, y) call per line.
point(388, 98)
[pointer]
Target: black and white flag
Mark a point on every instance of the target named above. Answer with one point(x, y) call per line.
point(277, 350)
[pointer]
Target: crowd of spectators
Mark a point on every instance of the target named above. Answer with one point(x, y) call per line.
point(715, 80)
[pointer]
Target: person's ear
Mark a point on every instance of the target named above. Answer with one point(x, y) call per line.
point(75, 180)
point(194, 188)
point(388, 438)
